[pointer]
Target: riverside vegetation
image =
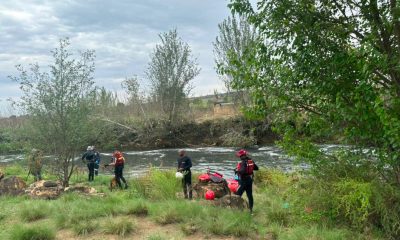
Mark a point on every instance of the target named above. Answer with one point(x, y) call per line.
point(288, 206)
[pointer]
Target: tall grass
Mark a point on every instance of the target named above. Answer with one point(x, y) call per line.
point(35, 232)
point(34, 210)
point(121, 227)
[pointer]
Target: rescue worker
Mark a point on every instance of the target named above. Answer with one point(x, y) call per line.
point(118, 163)
point(35, 164)
point(89, 158)
point(245, 170)
point(97, 160)
point(184, 165)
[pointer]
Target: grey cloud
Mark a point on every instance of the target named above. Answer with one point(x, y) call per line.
point(123, 34)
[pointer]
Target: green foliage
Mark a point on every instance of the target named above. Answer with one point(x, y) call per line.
point(325, 63)
point(157, 185)
point(353, 199)
point(170, 71)
point(34, 211)
point(140, 208)
point(121, 227)
point(36, 232)
point(59, 104)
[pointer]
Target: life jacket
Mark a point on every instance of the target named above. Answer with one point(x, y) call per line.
point(119, 159)
point(249, 168)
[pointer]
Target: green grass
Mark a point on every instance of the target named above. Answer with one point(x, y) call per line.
point(121, 227)
point(117, 213)
point(31, 212)
point(35, 232)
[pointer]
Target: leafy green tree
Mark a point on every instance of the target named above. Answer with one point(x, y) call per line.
point(59, 104)
point(170, 71)
point(236, 38)
point(335, 63)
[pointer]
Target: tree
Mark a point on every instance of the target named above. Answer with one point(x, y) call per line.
point(335, 62)
point(59, 104)
point(236, 38)
point(131, 86)
point(170, 71)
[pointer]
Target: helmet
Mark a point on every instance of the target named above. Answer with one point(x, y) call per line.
point(209, 195)
point(117, 154)
point(241, 152)
point(178, 175)
point(89, 148)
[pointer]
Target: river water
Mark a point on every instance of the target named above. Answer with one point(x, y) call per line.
point(220, 159)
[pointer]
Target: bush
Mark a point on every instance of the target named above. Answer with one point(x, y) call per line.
point(32, 233)
point(236, 139)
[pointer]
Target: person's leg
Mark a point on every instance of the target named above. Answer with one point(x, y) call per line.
point(118, 176)
point(91, 172)
point(241, 188)
point(184, 187)
point(122, 177)
point(88, 166)
point(249, 193)
point(188, 178)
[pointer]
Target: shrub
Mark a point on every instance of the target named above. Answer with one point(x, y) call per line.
point(37, 232)
point(234, 138)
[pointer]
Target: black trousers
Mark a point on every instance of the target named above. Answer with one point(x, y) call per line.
point(187, 184)
point(246, 184)
point(90, 166)
point(120, 176)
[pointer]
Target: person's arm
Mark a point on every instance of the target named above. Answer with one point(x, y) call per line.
point(255, 166)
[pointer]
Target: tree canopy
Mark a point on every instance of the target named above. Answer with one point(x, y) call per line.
point(334, 62)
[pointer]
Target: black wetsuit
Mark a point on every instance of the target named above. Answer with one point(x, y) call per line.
point(246, 181)
point(184, 165)
point(89, 157)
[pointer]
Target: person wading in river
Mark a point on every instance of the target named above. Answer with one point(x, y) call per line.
point(184, 165)
point(245, 170)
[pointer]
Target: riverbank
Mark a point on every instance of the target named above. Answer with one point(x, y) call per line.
point(151, 209)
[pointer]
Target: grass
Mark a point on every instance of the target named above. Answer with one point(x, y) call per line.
point(31, 212)
point(36, 232)
point(121, 227)
point(120, 213)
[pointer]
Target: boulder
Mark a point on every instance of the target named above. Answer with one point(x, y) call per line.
point(232, 201)
point(12, 186)
point(220, 189)
point(45, 190)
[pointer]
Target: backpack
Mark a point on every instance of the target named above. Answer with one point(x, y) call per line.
point(249, 168)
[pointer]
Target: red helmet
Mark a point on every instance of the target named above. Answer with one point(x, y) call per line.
point(241, 152)
point(117, 154)
point(209, 195)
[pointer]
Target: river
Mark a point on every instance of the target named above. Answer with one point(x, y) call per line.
point(220, 159)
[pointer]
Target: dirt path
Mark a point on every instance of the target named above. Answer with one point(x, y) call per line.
point(145, 229)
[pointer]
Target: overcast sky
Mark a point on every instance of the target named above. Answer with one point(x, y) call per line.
point(123, 34)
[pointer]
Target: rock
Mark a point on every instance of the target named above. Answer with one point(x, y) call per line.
point(12, 186)
point(80, 188)
point(219, 189)
point(232, 201)
point(45, 190)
